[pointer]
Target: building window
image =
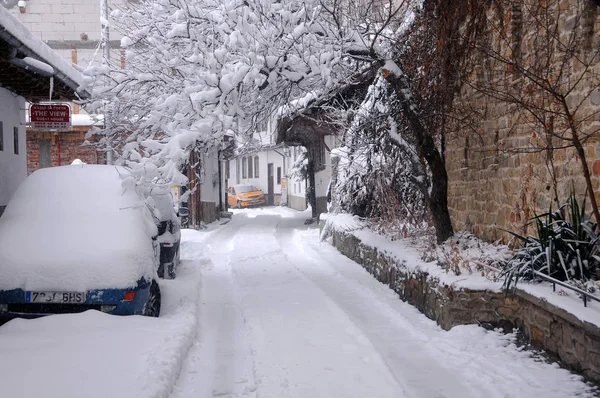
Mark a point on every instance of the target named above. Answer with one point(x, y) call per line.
point(244, 169)
point(250, 174)
point(256, 166)
point(16, 134)
point(1, 137)
point(279, 176)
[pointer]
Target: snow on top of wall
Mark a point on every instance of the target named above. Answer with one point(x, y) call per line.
point(13, 26)
point(81, 120)
point(87, 120)
point(410, 253)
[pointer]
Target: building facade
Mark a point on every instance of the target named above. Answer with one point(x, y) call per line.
point(29, 71)
point(265, 169)
point(13, 163)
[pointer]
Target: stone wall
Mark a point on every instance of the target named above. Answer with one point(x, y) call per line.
point(575, 343)
point(500, 169)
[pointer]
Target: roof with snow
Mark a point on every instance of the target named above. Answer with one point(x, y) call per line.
point(306, 121)
point(27, 63)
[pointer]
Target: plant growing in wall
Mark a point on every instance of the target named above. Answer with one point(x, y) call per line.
point(567, 248)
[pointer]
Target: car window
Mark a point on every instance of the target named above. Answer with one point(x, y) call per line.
point(246, 188)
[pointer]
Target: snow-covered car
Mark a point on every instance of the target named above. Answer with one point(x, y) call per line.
point(169, 233)
point(245, 196)
point(73, 238)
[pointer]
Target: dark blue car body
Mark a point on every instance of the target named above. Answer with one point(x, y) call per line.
point(14, 303)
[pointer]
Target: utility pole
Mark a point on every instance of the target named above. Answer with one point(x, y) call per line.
point(105, 32)
point(105, 42)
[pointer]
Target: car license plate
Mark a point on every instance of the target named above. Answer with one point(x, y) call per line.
point(56, 297)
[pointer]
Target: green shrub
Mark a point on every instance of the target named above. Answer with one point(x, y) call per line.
point(566, 248)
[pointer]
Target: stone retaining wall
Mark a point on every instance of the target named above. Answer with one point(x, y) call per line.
point(575, 343)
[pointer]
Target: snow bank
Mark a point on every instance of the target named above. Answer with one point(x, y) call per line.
point(98, 355)
point(409, 253)
point(74, 228)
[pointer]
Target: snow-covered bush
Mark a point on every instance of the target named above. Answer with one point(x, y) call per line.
point(299, 169)
point(378, 170)
point(567, 248)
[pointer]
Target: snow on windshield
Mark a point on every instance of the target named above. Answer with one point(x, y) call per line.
point(74, 228)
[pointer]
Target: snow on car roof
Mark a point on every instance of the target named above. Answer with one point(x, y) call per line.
point(74, 228)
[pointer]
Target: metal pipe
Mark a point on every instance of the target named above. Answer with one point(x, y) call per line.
point(554, 281)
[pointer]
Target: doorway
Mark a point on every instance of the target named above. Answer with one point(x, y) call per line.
point(270, 185)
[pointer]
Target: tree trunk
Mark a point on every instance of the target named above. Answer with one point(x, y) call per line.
point(312, 194)
point(437, 198)
point(583, 159)
point(586, 176)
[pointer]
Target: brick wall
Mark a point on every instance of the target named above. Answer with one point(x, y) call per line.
point(494, 183)
point(49, 150)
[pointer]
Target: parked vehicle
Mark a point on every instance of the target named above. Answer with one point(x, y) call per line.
point(73, 239)
point(245, 196)
point(169, 233)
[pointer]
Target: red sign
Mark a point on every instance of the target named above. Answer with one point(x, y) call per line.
point(50, 116)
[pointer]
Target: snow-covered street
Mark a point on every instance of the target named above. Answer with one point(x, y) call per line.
point(261, 308)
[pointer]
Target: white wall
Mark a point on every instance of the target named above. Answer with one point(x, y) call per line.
point(323, 177)
point(64, 19)
point(265, 157)
point(13, 168)
point(209, 191)
point(296, 187)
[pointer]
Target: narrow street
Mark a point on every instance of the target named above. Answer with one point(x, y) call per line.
point(284, 315)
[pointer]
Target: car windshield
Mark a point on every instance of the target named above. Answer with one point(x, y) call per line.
point(245, 188)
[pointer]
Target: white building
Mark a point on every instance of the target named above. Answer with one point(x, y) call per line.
point(265, 169)
point(28, 70)
point(70, 27)
point(259, 162)
point(13, 162)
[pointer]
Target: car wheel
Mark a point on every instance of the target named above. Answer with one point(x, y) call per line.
point(239, 206)
point(152, 307)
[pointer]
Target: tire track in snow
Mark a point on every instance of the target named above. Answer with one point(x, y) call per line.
point(304, 345)
point(487, 363)
point(219, 364)
point(405, 361)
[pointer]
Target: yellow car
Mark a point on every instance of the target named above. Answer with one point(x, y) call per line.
point(244, 196)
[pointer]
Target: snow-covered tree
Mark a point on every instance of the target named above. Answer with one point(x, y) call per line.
point(197, 69)
point(380, 175)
